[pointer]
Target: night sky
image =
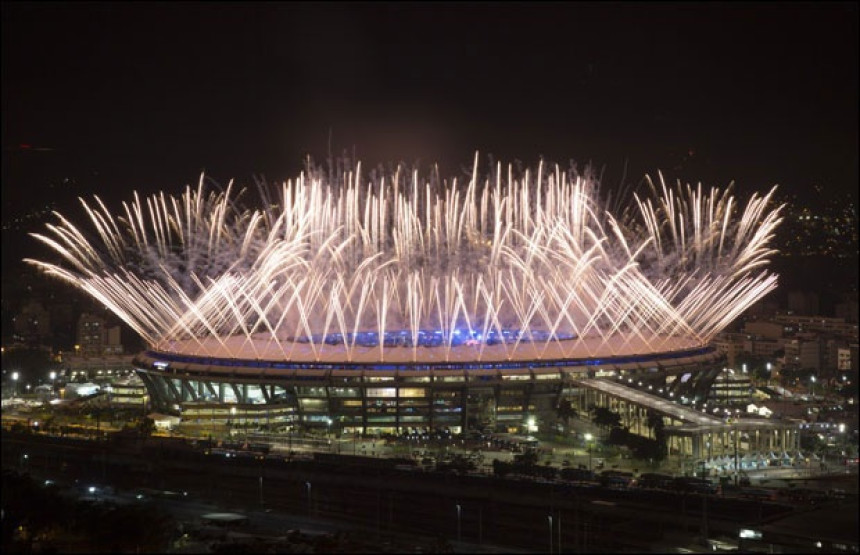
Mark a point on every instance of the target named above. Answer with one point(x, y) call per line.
point(110, 98)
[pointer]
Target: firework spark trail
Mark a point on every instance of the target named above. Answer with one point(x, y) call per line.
point(389, 269)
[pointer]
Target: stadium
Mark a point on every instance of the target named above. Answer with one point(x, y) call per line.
point(396, 302)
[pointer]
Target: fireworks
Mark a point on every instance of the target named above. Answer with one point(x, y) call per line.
point(403, 269)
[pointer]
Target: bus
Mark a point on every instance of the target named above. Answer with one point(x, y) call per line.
point(514, 443)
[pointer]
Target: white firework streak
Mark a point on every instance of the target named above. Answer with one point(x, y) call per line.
point(390, 269)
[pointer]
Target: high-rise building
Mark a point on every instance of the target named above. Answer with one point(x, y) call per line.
point(96, 338)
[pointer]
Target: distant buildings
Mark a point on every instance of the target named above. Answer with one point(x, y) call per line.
point(128, 391)
point(800, 302)
point(803, 351)
point(849, 308)
point(829, 229)
point(32, 324)
point(826, 345)
point(731, 389)
point(821, 324)
point(96, 338)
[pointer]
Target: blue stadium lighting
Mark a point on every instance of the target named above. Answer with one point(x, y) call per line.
point(436, 338)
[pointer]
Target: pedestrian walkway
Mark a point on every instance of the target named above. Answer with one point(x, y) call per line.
point(653, 402)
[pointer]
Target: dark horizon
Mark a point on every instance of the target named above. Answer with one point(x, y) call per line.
point(107, 99)
point(148, 96)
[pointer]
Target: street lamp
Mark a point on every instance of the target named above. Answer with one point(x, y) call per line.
point(261, 483)
point(15, 377)
point(588, 438)
point(734, 425)
point(459, 511)
point(549, 519)
point(812, 387)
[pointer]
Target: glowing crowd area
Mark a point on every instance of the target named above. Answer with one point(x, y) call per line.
point(336, 269)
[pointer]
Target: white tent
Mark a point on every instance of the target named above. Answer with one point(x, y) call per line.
point(164, 421)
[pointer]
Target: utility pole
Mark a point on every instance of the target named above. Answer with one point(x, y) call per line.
point(262, 462)
point(261, 489)
point(459, 511)
point(480, 525)
point(378, 503)
point(736, 456)
point(558, 543)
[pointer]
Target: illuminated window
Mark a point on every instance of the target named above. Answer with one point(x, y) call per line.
point(413, 392)
point(381, 392)
point(344, 392)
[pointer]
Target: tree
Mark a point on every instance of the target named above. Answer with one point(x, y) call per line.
point(618, 436)
point(527, 459)
point(35, 511)
point(753, 362)
point(147, 426)
point(655, 423)
point(849, 390)
point(501, 468)
point(790, 375)
point(565, 412)
point(606, 418)
point(644, 448)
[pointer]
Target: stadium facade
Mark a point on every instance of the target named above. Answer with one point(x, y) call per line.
point(520, 396)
